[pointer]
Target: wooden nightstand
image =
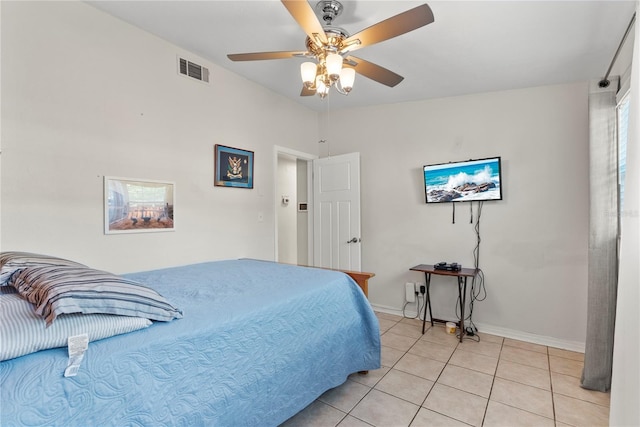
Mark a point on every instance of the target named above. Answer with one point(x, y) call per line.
point(361, 278)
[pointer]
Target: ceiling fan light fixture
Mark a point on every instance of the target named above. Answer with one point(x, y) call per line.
point(321, 89)
point(334, 66)
point(308, 73)
point(347, 78)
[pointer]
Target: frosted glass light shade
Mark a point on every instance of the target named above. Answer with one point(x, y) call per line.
point(347, 78)
point(308, 73)
point(334, 65)
point(321, 89)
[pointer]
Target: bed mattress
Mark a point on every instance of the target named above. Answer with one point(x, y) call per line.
point(258, 342)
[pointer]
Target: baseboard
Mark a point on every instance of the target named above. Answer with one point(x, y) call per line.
point(532, 338)
point(502, 332)
point(410, 311)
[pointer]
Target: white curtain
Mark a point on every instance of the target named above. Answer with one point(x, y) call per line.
point(603, 237)
point(625, 385)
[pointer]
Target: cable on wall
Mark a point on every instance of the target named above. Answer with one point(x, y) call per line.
point(478, 292)
point(471, 213)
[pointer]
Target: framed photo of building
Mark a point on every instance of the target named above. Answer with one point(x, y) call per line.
point(233, 167)
point(138, 206)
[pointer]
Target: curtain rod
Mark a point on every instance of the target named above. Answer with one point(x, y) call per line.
point(605, 80)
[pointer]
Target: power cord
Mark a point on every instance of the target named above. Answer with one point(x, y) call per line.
point(478, 290)
point(419, 308)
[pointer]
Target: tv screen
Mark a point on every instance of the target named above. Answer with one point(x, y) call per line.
point(466, 181)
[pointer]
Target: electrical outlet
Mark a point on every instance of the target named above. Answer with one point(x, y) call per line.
point(421, 288)
point(410, 292)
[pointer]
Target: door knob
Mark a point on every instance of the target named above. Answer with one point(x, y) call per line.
point(354, 240)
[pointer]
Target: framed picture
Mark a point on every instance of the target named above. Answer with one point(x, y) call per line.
point(233, 167)
point(138, 206)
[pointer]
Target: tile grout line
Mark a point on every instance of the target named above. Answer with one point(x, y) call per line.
point(434, 383)
point(553, 399)
point(493, 380)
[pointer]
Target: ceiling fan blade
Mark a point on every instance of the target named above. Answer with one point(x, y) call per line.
point(373, 71)
point(303, 13)
point(391, 27)
point(258, 56)
point(307, 92)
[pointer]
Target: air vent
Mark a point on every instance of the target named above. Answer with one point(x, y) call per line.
point(193, 70)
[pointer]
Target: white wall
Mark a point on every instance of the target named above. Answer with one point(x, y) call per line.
point(85, 95)
point(287, 212)
point(302, 216)
point(534, 242)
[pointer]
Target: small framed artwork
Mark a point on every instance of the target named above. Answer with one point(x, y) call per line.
point(138, 206)
point(233, 167)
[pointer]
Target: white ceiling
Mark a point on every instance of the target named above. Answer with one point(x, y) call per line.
point(472, 47)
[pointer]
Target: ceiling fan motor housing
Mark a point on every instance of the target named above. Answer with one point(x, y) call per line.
point(335, 37)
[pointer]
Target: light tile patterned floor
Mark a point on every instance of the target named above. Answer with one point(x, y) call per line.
point(433, 380)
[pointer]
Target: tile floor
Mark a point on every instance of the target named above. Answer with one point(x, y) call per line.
point(433, 380)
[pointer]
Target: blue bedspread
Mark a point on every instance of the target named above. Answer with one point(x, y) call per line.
point(259, 341)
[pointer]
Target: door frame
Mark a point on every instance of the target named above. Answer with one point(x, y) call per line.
point(299, 155)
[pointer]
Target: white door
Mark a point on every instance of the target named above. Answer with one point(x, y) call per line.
point(336, 212)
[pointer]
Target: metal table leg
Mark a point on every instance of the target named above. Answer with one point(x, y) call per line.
point(462, 295)
point(427, 302)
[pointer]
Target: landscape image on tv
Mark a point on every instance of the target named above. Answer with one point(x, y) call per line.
point(467, 181)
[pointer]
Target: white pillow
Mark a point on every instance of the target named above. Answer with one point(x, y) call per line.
point(22, 331)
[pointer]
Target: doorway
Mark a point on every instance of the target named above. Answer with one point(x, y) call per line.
point(294, 219)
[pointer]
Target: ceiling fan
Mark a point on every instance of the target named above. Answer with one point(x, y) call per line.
point(330, 46)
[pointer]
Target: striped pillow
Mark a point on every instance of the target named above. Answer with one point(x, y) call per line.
point(22, 331)
point(55, 290)
point(12, 261)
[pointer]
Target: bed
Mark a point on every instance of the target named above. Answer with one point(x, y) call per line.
point(258, 342)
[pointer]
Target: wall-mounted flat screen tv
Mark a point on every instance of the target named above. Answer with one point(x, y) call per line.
point(465, 181)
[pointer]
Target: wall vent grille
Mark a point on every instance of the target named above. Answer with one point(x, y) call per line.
point(193, 70)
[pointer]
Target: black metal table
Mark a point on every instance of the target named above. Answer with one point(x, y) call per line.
point(461, 275)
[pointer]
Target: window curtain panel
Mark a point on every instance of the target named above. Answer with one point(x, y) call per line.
point(603, 237)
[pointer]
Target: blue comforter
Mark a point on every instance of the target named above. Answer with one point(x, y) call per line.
point(259, 341)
